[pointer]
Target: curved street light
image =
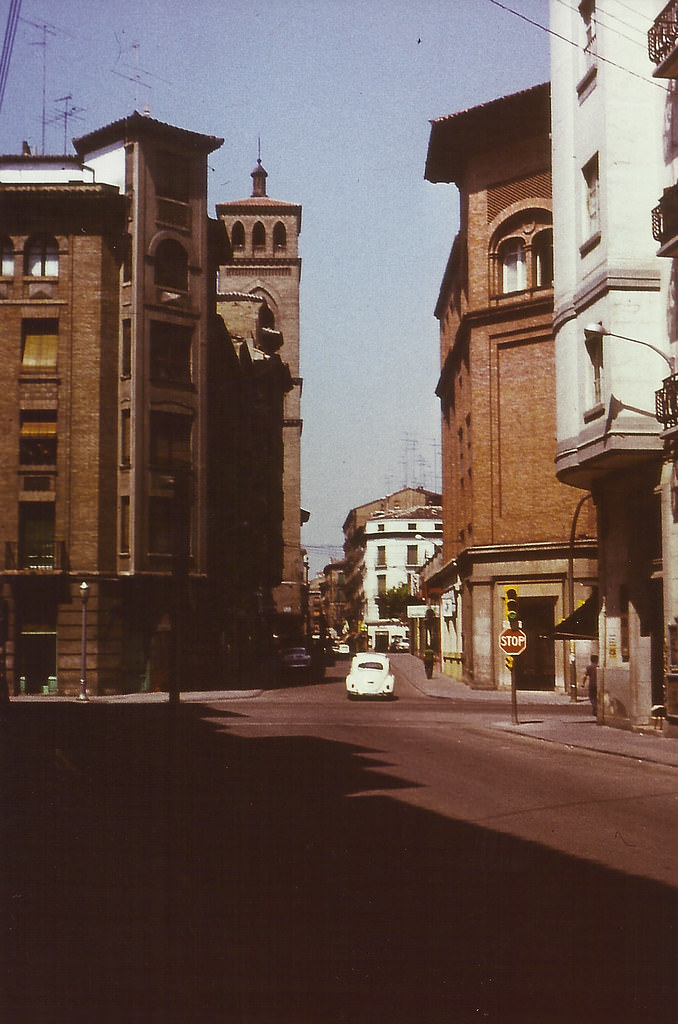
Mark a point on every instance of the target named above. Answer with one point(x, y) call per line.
point(595, 332)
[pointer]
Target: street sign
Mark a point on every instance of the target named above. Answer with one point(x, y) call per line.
point(512, 641)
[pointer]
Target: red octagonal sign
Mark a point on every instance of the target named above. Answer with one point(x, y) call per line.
point(512, 641)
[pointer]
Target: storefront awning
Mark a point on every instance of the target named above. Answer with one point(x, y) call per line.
point(582, 624)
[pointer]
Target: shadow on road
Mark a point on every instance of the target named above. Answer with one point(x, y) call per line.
point(158, 869)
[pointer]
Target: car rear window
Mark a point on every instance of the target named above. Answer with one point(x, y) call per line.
point(373, 665)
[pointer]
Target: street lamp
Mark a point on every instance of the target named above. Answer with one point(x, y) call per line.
point(84, 594)
point(595, 332)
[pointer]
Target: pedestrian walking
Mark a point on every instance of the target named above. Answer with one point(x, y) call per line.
point(591, 676)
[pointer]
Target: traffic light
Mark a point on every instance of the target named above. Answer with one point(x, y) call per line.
point(511, 606)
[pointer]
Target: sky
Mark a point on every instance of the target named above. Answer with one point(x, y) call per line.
point(340, 94)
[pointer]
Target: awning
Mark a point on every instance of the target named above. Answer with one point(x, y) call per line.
point(582, 624)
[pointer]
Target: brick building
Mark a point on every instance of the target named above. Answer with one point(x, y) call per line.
point(507, 521)
point(264, 236)
point(117, 447)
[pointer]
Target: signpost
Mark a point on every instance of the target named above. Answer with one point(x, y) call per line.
point(513, 642)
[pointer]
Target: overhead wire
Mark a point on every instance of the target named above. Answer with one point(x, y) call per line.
point(572, 42)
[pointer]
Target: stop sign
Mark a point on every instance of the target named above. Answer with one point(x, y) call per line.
point(512, 641)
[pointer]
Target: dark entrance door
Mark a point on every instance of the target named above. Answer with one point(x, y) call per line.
point(38, 661)
point(536, 668)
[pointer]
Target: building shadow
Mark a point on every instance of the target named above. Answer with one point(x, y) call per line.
point(158, 868)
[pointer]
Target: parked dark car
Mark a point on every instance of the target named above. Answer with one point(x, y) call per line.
point(295, 660)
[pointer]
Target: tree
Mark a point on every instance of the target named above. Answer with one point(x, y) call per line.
point(393, 603)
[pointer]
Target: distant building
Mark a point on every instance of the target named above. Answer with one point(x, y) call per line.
point(507, 521)
point(333, 598)
point(386, 543)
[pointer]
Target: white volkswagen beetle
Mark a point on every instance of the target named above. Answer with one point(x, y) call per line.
point(370, 676)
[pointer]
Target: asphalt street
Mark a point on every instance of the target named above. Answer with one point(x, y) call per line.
point(288, 856)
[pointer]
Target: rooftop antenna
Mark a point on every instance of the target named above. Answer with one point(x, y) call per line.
point(134, 73)
point(46, 30)
point(67, 112)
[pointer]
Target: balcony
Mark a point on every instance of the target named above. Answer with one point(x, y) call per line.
point(661, 42)
point(665, 222)
point(47, 557)
point(666, 402)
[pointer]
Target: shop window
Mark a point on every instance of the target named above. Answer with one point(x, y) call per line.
point(624, 622)
point(41, 257)
point(171, 265)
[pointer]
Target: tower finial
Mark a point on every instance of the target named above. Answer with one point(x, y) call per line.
point(259, 174)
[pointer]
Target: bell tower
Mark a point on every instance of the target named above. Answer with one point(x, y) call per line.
point(264, 234)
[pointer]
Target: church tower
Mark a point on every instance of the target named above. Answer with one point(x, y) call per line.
point(264, 234)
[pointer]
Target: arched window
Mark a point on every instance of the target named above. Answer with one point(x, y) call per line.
point(279, 236)
point(521, 253)
point(41, 257)
point(6, 258)
point(238, 236)
point(266, 317)
point(513, 264)
point(171, 265)
point(542, 259)
point(258, 236)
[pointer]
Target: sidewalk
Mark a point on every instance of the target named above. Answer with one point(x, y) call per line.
point(567, 723)
point(558, 719)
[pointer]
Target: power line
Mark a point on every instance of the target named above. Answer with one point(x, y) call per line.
point(8, 45)
point(571, 42)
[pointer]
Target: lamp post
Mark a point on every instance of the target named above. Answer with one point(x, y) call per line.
point(84, 594)
point(595, 332)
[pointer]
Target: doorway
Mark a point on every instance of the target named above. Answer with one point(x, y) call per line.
point(536, 668)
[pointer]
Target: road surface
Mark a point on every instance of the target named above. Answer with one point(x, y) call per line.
point(296, 857)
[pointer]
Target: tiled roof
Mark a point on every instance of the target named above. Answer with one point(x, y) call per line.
point(138, 125)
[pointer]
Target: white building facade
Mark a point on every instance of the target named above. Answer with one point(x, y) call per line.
point(397, 545)
point(612, 156)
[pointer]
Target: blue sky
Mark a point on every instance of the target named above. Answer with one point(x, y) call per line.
point(341, 93)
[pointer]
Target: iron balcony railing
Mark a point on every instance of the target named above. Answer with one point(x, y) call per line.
point(47, 557)
point(665, 217)
point(666, 402)
point(661, 38)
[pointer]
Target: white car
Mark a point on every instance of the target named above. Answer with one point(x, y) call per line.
point(370, 676)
